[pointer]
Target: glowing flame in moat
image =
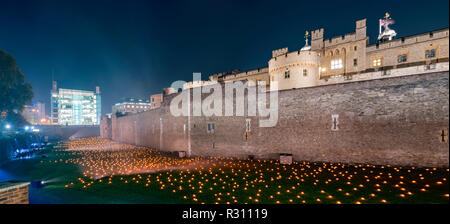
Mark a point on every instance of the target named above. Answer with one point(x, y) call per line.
point(99, 158)
point(226, 181)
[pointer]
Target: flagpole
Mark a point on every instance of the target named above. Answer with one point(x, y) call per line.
point(379, 26)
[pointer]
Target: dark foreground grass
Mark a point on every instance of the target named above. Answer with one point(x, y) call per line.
point(228, 181)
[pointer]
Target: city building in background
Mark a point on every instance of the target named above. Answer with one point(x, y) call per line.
point(156, 100)
point(35, 114)
point(54, 103)
point(131, 105)
point(75, 107)
point(42, 116)
point(30, 114)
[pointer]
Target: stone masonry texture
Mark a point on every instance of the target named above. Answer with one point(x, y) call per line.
point(397, 121)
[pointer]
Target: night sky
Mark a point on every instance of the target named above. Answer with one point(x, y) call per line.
point(137, 48)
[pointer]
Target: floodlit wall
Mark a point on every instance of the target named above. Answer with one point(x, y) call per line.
point(395, 120)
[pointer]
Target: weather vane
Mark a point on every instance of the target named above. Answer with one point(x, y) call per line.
point(306, 47)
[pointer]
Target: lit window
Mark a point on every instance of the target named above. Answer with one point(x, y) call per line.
point(430, 53)
point(287, 75)
point(376, 62)
point(336, 64)
point(402, 58)
point(305, 72)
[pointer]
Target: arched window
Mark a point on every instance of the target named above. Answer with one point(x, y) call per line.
point(336, 52)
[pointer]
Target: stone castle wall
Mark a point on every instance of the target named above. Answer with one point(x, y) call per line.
point(156, 128)
point(397, 121)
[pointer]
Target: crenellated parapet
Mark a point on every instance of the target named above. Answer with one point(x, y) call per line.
point(410, 40)
point(344, 58)
point(278, 52)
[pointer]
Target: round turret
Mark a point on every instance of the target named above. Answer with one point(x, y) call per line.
point(294, 70)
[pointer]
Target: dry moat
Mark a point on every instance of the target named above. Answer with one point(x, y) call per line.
point(95, 170)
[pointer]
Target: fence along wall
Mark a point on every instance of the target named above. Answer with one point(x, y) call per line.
point(397, 121)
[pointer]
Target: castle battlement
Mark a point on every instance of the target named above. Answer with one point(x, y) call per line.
point(404, 41)
point(340, 40)
point(246, 73)
point(342, 57)
point(194, 84)
point(340, 100)
point(278, 52)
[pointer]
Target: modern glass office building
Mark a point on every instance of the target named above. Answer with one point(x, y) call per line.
point(75, 107)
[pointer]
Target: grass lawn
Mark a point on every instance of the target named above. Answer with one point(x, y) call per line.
point(83, 172)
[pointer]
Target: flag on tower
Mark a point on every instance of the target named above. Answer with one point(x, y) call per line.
point(386, 21)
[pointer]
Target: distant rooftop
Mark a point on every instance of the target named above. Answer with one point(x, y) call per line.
point(130, 100)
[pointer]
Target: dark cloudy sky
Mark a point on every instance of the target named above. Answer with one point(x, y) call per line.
point(135, 48)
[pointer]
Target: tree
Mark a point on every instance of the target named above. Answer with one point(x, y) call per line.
point(14, 91)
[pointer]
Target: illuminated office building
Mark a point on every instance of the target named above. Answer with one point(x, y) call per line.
point(75, 107)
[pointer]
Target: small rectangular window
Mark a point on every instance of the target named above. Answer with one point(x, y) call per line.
point(211, 128)
point(305, 72)
point(430, 53)
point(287, 75)
point(376, 62)
point(402, 58)
point(355, 62)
